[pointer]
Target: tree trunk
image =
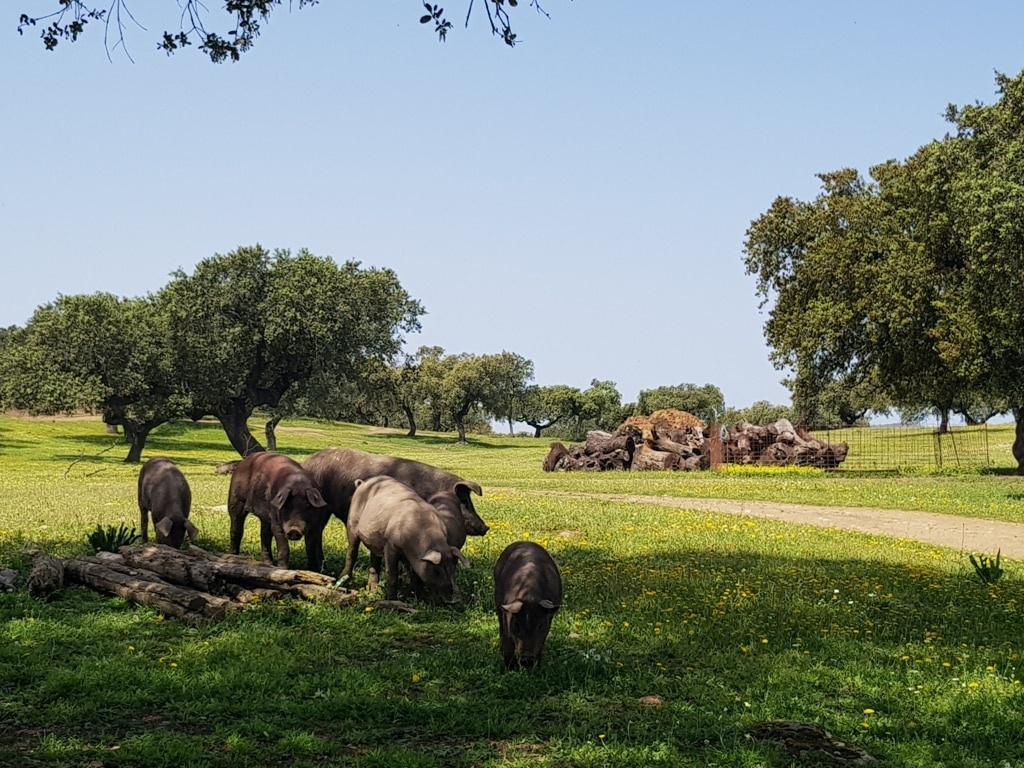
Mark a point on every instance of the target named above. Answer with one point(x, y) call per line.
point(411, 418)
point(435, 422)
point(510, 432)
point(271, 434)
point(135, 434)
point(943, 421)
point(1018, 438)
point(460, 425)
point(234, 417)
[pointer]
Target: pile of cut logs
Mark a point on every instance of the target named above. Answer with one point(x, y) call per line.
point(190, 584)
point(678, 440)
point(780, 444)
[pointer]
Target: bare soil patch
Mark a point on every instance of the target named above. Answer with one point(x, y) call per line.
point(967, 534)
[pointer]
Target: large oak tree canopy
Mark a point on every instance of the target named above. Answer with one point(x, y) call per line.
point(909, 283)
point(241, 332)
point(248, 325)
point(231, 32)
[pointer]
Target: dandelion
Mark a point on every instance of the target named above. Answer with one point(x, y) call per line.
point(131, 648)
point(869, 711)
point(174, 665)
point(415, 678)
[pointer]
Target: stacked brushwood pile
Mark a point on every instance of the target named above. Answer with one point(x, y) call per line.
point(673, 439)
point(780, 444)
point(193, 584)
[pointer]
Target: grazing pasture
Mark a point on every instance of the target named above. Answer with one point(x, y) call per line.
point(679, 630)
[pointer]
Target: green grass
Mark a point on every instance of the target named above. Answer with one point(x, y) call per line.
point(894, 646)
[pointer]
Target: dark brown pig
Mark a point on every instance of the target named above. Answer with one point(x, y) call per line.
point(396, 525)
point(284, 497)
point(527, 594)
point(335, 471)
point(164, 494)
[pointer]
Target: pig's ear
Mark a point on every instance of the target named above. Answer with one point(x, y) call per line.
point(547, 605)
point(279, 500)
point(433, 556)
point(164, 527)
point(513, 607)
point(315, 498)
point(191, 530)
point(463, 487)
point(460, 557)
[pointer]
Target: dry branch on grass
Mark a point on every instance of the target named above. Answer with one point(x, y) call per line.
point(193, 584)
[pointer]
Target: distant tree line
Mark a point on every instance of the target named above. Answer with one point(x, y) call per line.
point(906, 289)
point(280, 335)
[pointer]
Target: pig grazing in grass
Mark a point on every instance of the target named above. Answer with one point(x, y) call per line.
point(397, 525)
point(287, 502)
point(335, 471)
point(527, 594)
point(164, 494)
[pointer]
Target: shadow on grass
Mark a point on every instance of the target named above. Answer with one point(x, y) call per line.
point(722, 637)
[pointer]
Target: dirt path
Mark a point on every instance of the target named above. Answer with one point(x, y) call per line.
point(968, 534)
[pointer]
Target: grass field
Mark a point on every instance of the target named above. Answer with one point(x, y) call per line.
point(679, 631)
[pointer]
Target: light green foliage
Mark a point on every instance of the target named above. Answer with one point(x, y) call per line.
point(728, 620)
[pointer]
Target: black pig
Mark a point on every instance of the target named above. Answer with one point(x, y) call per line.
point(164, 493)
point(527, 594)
point(335, 471)
point(288, 503)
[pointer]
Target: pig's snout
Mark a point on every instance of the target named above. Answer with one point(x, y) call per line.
point(293, 534)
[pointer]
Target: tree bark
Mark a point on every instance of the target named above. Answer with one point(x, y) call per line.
point(136, 434)
point(648, 458)
point(411, 418)
point(234, 417)
point(133, 585)
point(271, 432)
point(1018, 438)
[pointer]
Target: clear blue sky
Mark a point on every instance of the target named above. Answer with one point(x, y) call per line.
point(580, 200)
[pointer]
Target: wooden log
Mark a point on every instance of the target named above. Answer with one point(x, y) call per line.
point(249, 573)
point(338, 597)
point(46, 576)
point(169, 599)
point(554, 457)
point(174, 566)
point(647, 457)
point(665, 444)
point(599, 442)
point(240, 594)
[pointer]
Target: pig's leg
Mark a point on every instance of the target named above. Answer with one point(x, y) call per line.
point(266, 537)
point(391, 571)
point(144, 523)
point(315, 550)
point(373, 579)
point(237, 527)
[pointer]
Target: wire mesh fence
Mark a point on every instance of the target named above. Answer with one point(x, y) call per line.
point(900, 447)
